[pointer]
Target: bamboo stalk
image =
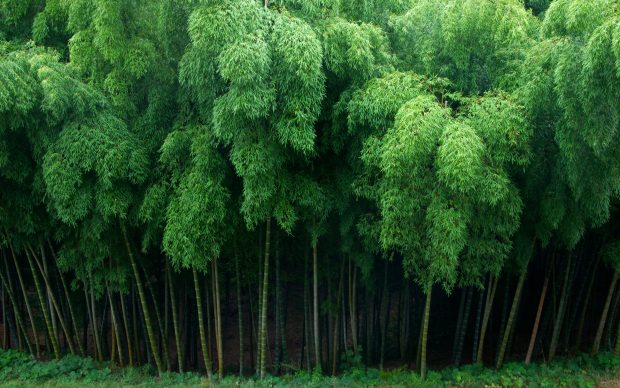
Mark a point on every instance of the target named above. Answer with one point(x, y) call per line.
point(27, 303)
point(142, 297)
point(162, 335)
point(474, 353)
point(485, 319)
point(115, 325)
point(315, 288)
point(218, 318)
point(54, 302)
point(461, 340)
point(201, 325)
point(337, 324)
point(263, 320)
point(239, 313)
point(511, 319)
point(560, 315)
point(127, 331)
point(46, 316)
point(541, 302)
point(175, 321)
point(601, 325)
point(427, 312)
point(66, 293)
point(18, 318)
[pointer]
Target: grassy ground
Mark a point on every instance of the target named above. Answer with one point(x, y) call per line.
point(20, 370)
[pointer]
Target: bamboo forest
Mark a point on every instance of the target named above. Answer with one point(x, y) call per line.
point(264, 188)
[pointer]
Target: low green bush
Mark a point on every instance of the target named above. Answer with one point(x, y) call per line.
point(19, 370)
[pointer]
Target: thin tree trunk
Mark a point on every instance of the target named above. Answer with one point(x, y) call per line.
point(239, 313)
point(167, 310)
point(404, 329)
point(277, 342)
point(53, 300)
point(560, 315)
point(573, 307)
point(617, 347)
point(504, 316)
point(67, 296)
point(134, 325)
point(163, 338)
point(474, 353)
point(261, 254)
point(117, 334)
point(252, 328)
point(28, 309)
point(90, 320)
point(427, 312)
point(4, 320)
point(586, 304)
point(280, 314)
point(601, 325)
point(459, 323)
point(307, 326)
point(335, 342)
point(353, 303)
point(175, 321)
point(209, 320)
point(315, 287)
point(385, 314)
point(283, 315)
point(127, 331)
point(485, 319)
point(46, 316)
point(263, 313)
point(541, 302)
point(201, 325)
point(511, 319)
point(461, 339)
point(14, 326)
point(18, 318)
point(218, 318)
point(143, 302)
point(47, 292)
point(113, 345)
point(612, 319)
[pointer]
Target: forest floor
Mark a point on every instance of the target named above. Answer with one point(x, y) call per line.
point(21, 370)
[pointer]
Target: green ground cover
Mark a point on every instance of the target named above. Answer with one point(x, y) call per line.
point(21, 370)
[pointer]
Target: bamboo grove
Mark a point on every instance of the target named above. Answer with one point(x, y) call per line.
point(258, 187)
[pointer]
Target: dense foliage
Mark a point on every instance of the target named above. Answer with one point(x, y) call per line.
point(307, 184)
point(20, 370)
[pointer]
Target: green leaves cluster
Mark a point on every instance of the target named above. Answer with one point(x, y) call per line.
point(449, 133)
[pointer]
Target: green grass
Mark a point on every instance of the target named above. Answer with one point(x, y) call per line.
point(21, 370)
